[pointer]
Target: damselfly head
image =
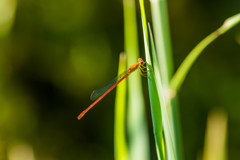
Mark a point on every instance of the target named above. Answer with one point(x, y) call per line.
point(140, 60)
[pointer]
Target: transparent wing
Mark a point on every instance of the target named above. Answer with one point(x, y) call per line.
point(100, 91)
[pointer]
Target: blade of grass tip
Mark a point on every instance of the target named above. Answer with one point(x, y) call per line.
point(216, 136)
point(169, 145)
point(137, 129)
point(120, 145)
point(182, 71)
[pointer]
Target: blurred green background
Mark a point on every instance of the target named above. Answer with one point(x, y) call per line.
point(53, 54)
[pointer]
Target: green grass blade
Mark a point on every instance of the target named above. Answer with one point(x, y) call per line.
point(137, 127)
point(182, 71)
point(156, 114)
point(153, 94)
point(215, 143)
point(145, 32)
point(120, 145)
point(169, 144)
point(162, 39)
point(156, 94)
point(158, 80)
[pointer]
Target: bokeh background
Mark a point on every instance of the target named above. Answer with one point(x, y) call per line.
point(53, 54)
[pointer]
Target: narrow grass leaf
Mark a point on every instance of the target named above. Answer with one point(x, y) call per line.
point(169, 144)
point(136, 118)
point(157, 78)
point(154, 95)
point(182, 71)
point(162, 39)
point(120, 145)
point(216, 136)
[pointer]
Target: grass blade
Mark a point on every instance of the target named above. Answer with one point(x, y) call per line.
point(182, 71)
point(120, 145)
point(216, 136)
point(169, 144)
point(136, 121)
point(156, 94)
point(158, 80)
point(162, 37)
point(153, 94)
